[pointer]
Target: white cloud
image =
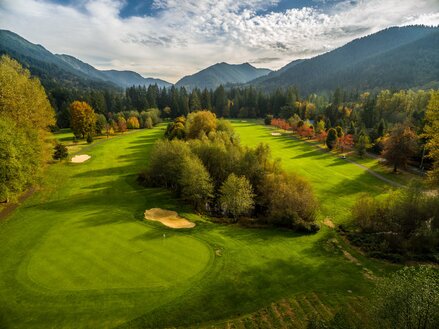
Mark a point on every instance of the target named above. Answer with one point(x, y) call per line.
point(187, 35)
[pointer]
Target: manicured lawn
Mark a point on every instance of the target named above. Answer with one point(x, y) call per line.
point(78, 254)
point(336, 182)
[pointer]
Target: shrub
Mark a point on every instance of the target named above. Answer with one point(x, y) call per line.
point(407, 220)
point(268, 119)
point(408, 299)
point(89, 138)
point(61, 152)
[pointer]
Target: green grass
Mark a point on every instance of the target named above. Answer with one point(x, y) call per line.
point(78, 254)
point(336, 182)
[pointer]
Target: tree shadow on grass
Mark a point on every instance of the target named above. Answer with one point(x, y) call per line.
point(364, 182)
point(338, 162)
point(227, 292)
point(308, 155)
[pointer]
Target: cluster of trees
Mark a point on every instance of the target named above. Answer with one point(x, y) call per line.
point(204, 163)
point(408, 299)
point(407, 127)
point(85, 123)
point(365, 118)
point(25, 115)
point(403, 225)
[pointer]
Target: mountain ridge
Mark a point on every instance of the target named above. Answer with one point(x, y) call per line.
point(222, 74)
point(365, 63)
point(63, 68)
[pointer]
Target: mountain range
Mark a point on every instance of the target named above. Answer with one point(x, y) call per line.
point(55, 69)
point(394, 58)
point(222, 74)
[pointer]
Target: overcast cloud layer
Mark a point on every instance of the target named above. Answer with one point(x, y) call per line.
point(179, 37)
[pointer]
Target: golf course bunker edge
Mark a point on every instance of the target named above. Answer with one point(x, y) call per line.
point(168, 218)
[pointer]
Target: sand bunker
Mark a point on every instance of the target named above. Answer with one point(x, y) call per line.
point(276, 134)
point(168, 217)
point(80, 158)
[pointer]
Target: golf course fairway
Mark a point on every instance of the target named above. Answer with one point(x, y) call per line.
point(79, 254)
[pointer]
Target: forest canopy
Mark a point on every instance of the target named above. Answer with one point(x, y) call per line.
point(25, 115)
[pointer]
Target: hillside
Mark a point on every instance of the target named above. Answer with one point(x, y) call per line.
point(221, 74)
point(400, 57)
point(54, 69)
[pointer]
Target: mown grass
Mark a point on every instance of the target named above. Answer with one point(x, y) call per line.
point(337, 183)
point(78, 254)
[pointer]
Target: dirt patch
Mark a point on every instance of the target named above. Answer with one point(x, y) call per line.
point(80, 158)
point(168, 217)
point(351, 258)
point(368, 274)
point(8, 208)
point(276, 134)
point(328, 222)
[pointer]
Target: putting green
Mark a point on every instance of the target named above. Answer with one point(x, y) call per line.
point(79, 257)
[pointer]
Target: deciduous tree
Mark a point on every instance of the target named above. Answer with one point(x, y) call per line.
point(400, 146)
point(195, 182)
point(431, 132)
point(82, 119)
point(236, 196)
point(200, 122)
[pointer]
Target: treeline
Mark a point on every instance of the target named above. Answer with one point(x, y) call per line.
point(366, 117)
point(203, 162)
point(403, 226)
point(86, 123)
point(400, 126)
point(25, 115)
point(340, 108)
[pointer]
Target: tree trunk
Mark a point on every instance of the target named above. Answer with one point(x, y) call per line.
point(395, 168)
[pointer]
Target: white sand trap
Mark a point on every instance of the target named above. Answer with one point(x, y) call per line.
point(168, 217)
point(276, 134)
point(80, 158)
point(243, 120)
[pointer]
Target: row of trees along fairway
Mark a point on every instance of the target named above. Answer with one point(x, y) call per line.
point(25, 115)
point(399, 139)
point(365, 118)
point(85, 123)
point(201, 159)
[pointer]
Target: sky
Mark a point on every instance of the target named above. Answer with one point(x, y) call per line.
point(168, 39)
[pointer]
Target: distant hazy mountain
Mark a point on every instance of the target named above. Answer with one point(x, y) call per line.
point(129, 78)
point(399, 57)
point(222, 74)
point(64, 69)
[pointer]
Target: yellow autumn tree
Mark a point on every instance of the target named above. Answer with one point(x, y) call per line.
point(200, 122)
point(82, 119)
point(133, 123)
point(25, 115)
point(431, 132)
